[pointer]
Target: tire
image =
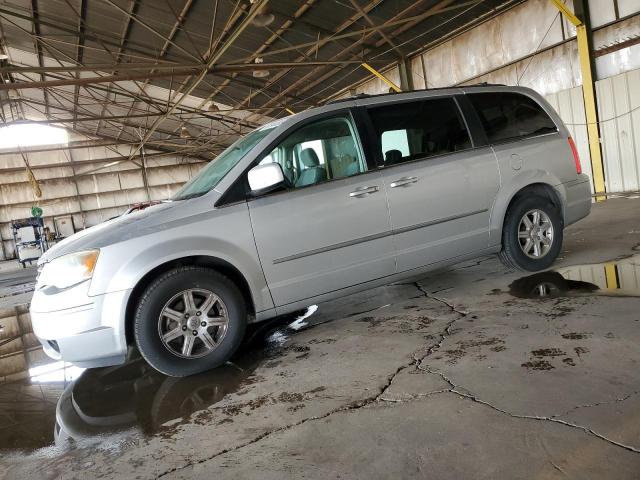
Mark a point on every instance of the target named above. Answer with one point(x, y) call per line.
point(209, 346)
point(513, 254)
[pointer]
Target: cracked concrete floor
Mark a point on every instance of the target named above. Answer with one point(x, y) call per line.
point(447, 377)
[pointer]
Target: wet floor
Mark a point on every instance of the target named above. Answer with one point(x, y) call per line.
point(615, 278)
point(393, 382)
point(68, 406)
point(17, 281)
point(64, 405)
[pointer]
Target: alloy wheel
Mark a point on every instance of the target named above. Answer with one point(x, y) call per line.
point(535, 234)
point(193, 323)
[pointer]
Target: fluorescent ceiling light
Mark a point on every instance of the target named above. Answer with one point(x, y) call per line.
point(31, 134)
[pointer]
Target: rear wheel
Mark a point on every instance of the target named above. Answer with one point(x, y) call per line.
point(190, 319)
point(532, 234)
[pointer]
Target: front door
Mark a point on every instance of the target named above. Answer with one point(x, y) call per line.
point(440, 188)
point(331, 228)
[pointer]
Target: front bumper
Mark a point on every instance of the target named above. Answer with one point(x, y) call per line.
point(89, 334)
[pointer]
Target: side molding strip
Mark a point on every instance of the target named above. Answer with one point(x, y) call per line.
point(375, 236)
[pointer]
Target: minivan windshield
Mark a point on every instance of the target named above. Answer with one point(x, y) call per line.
point(211, 175)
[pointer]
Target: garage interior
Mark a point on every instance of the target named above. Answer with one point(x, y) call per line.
point(473, 371)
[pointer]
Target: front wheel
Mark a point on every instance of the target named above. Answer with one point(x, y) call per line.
point(190, 319)
point(532, 234)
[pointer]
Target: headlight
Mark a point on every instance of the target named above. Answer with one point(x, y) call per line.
point(68, 270)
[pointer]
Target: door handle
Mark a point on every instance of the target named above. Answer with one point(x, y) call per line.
point(401, 182)
point(363, 191)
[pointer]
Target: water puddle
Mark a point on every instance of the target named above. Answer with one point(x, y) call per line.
point(17, 282)
point(72, 406)
point(616, 278)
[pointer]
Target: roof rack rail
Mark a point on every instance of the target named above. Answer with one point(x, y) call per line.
point(352, 97)
point(484, 84)
point(367, 95)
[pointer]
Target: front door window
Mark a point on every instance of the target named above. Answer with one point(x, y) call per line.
point(321, 151)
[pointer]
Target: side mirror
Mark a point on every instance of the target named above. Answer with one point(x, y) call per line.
point(265, 178)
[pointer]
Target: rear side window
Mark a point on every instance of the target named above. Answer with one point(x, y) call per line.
point(421, 129)
point(509, 116)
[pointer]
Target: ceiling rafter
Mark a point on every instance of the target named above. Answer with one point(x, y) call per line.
point(71, 30)
point(312, 78)
point(138, 71)
point(315, 47)
point(379, 30)
point(168, 42)
point(212, 58)
point(36, 31)
point(82, 16)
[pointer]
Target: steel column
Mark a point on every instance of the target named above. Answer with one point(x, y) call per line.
point(588, 93)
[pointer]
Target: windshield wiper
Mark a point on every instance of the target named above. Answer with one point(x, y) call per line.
point(188, 197)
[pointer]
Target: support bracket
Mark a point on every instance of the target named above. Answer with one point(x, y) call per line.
point(392, 85)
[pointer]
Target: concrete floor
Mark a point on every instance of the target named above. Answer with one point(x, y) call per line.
point(458, 375)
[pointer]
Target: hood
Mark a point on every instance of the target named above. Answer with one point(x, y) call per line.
point(123, 228)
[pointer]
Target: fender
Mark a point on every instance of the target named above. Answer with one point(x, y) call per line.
point(226, 236)
point(515, 185)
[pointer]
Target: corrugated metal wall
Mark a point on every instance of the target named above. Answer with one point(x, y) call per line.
point(89, 198)
point(619, 111)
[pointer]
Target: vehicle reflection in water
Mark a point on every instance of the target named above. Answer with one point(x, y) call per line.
point(618, 278)
point(549, 284)
point(134, 396)
point(130, 397)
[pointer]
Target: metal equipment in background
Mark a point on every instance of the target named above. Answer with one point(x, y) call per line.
point(64, 226)
point(30, 239)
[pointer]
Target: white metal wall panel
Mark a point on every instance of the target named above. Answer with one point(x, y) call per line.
point(629, 277)
point(622, 60)
point(601, 12)
point(628, 7)
point(513, 35)
point(570, 106)
point(618, 96)
point(586, 273)
point(417, 73)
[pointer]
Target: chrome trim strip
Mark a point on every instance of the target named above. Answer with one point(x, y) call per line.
point(335, 246)
point(375, 236)
point(435, 222)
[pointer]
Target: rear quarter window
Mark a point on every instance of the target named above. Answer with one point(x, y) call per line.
point(510, 116)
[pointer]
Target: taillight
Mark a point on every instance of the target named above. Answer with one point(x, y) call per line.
point(576, 157)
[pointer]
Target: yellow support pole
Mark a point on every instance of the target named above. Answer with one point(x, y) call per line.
point(382, 77)
point(289, 111)
point(589, 96)
point(610, 273)
point(588, 92)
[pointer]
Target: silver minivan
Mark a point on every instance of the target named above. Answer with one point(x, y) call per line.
point(335, 200)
